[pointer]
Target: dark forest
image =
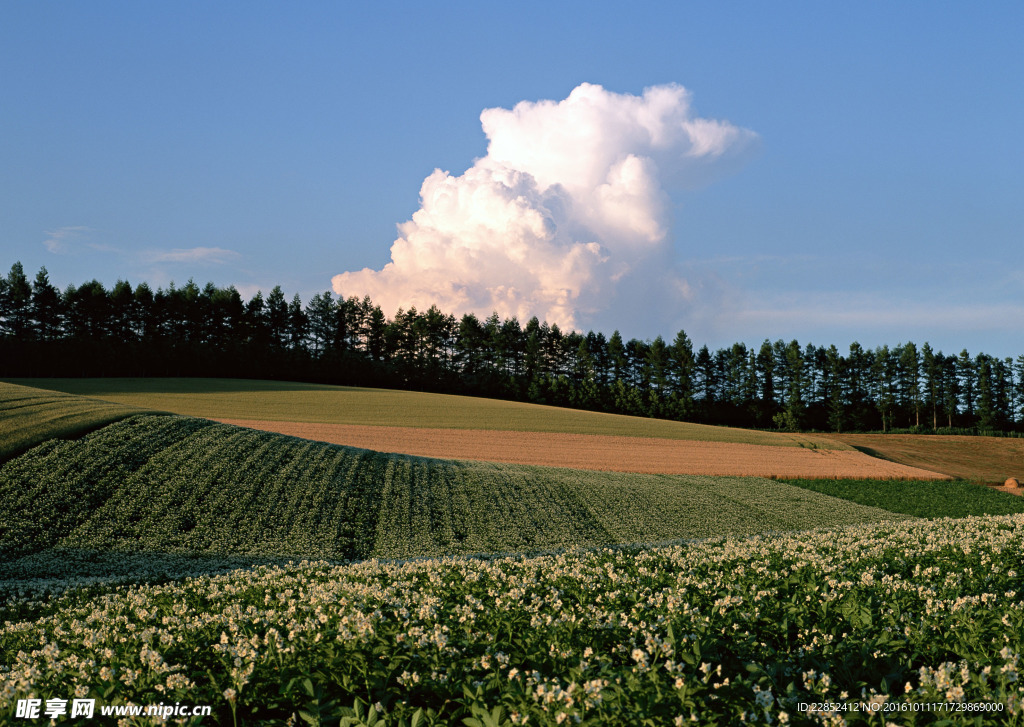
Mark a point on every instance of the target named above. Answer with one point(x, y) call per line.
point(89, 331)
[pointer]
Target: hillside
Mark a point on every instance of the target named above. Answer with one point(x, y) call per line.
point(312, 403)
point(29, 416)
point(990, 460)
point(178, 484)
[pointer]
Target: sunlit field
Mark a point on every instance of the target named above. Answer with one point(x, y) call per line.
point(285, 401)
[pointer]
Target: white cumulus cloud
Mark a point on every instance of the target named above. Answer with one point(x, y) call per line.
point(558, 217)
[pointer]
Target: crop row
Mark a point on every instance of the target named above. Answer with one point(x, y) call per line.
point(29, 416)
point(172, 484)
point(714, 632)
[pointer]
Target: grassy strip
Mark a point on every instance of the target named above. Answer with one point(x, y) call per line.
point(285, 401)
point(29, 416)
point(920, 498)
point(179, 484)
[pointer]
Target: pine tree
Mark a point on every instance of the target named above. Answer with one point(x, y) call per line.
point(321, 313)
point(909, 376)
point(681, 368)
point(277, 318)
point(46, 309)
point(298, 325)
point(16, 305)
point(837, 406)
point(932, 380)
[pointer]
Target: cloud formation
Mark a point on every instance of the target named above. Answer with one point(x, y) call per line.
point(211, 255)
point(568, 204)
point(66, 240)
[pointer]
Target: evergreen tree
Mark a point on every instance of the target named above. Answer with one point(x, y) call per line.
point(46, 308)
point(705, 375)
point(617, 356)
point(321, 315)
point(376, 323)
point(256, 322)
point(792, 416)
point(123, 316)
point(932, 370)
point(909, 377)
point(1018, 413)
point(277, 318)
point(735, 374)
point(858, 386)
point(298, 325)
point(985, 408)
point(681, 366)
point(765, 375)
point(438, 330)
point(584, 393)
point(146, 318)
point(950, 388)
point(16, 305)
point(512, 348)
point(883, 372)
point(469, 347)
point(533, 358)
point(659, 366)
point(1003, 383)
point(598, 347)
point(966, 375)
point(837, 404)
point(88, 311)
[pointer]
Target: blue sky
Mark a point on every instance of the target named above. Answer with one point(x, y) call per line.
point(257, 144)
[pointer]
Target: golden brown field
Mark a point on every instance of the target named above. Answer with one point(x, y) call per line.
point(601, 452)
point(991, 460)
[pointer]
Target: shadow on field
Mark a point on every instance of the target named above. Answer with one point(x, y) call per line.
point(873, 453)
point(52, 572)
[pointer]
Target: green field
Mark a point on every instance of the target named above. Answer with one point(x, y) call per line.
point(29, 416)
point(185, 485)
point(283, 401)
point(920, 498)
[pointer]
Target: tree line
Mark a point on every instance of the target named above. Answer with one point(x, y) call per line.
point(88, 330)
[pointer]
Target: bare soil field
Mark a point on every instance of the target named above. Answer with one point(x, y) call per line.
point(601, 452)
point(990, 460)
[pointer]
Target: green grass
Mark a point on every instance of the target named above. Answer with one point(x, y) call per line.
point(284, 401)
point(29, 416)
point(920, 498)
point(179, 484)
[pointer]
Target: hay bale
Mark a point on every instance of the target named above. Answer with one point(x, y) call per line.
point(1012, 482)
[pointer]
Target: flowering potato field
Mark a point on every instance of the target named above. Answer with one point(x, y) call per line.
point(170, 484)
point(885, 623)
